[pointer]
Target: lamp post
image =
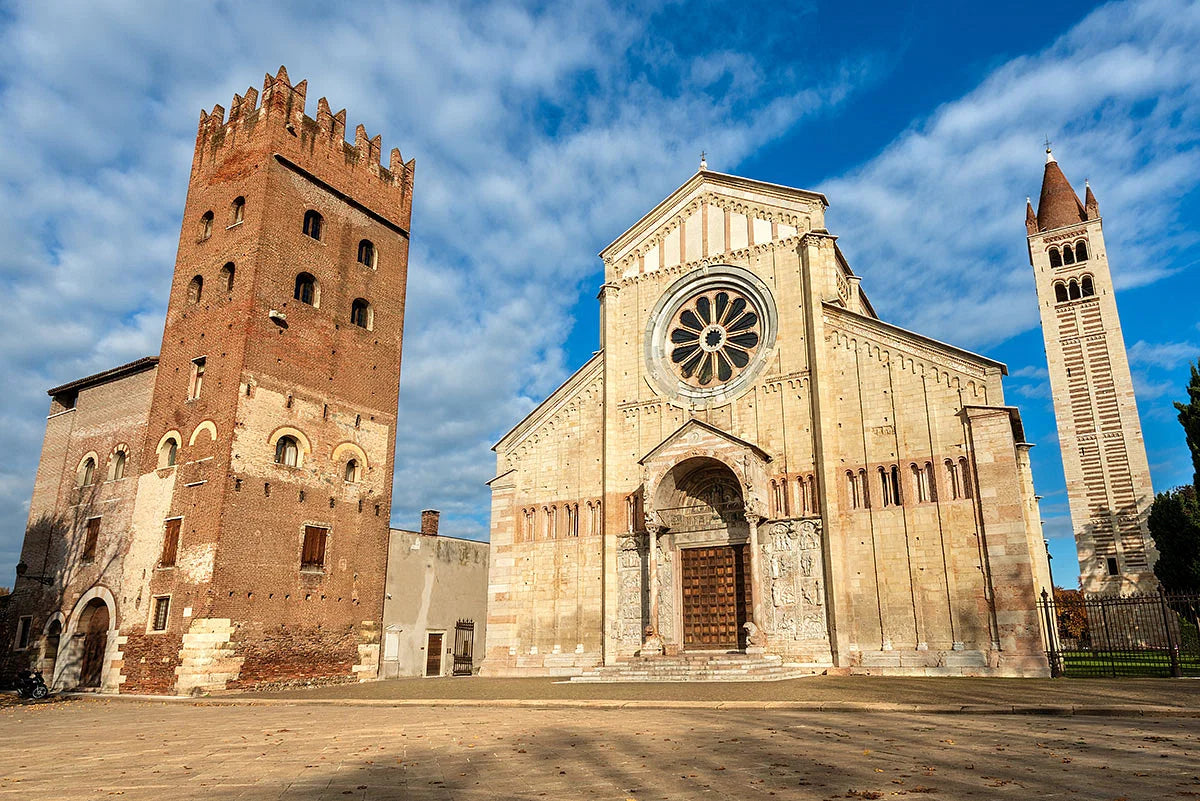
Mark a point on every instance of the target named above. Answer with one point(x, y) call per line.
point(23, 573)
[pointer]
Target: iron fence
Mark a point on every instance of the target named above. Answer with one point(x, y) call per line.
point(1151, 634)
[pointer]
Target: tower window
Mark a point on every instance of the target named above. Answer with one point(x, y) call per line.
point(312, 224)
point(168, 452)
point(1081, 252)
point(1060, 292)
point(1073, 289)
point(197, 378)
point(306, 289)
point(195, 290)
point(206, 222)
point(1087, 287)
point(90, 540)
point(1068, 255)
point(170, 547)
point(1112, 566)
point(1055, 258)
point(361, 314)
point(312, 555)
point(237, 211)
point(227, 276)
point(866, 492)
point(87, 473)
point(287, 451)
point(352, 473)
point(964, 475)
point(117, 468)
point(366, 253)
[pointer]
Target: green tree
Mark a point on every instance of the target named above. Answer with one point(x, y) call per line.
point(1175, 527)
point(1189, 418)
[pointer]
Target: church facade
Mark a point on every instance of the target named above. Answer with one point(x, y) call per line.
point(754, 461)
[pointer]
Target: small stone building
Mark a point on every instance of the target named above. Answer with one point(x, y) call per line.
point(754, 461)
point(435, 604)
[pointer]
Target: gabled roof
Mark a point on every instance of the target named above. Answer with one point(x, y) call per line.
point(718, 180)
point(694, 423)
point(557, 398)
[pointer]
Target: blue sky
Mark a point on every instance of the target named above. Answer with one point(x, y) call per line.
point(541, 131)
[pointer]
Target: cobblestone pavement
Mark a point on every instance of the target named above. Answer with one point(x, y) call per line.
point(105, 749)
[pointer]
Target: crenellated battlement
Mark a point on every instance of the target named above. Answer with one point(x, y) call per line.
point(279, 113)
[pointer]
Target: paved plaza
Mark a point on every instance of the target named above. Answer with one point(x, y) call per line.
point(97, 748)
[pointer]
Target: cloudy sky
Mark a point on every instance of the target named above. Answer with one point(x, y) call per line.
point(542, 131)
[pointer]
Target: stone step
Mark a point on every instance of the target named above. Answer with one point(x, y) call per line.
point(698, 667)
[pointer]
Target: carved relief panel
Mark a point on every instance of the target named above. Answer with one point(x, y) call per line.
point(795, 580)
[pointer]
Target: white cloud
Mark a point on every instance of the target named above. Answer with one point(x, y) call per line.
point(935, 222)
point(1165, 355)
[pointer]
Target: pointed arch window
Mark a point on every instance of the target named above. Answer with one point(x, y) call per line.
point(312, 224)
point(306, 289)
point(1055, 258)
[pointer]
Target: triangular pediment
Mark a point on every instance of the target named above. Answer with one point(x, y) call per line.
point(697, 434)
point(711, 215)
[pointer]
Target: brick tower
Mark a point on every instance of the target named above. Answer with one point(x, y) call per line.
point(1104, 456)
point(262, 510)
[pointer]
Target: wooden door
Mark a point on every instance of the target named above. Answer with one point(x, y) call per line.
point(433, 655)
point(95, 642)
point(716, 597)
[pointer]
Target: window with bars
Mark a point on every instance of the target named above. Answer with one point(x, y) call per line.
point(312, 557)
point(161, 613)
point(170, 549)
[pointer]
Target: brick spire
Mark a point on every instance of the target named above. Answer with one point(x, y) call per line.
point(1091, 206)
point(1058, 204)
point(1031, 223)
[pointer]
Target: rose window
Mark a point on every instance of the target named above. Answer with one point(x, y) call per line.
point(713, 337)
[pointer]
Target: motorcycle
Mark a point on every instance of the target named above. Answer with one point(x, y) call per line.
point(30, 684)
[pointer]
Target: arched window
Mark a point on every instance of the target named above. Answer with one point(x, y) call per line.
point(952, 480)
point(306, 289)
point(1081, 253)
point(1068, 255)
point(885, 488)
point(352, 471)
point(237, 211)
point(897, 495)
point(1073, 289)
point(117, 470)
point(922, 487)
point(866, 491)
point(1060, 292)
point(930, 482)
point(964, 475)
point(1087, 287)
point(360, 313)
point(227, 276)
point(195, 290)
point(1055, 258)
point(287, 451)
point(852, 490)
point(312, 224)
point(87, 473)
point(168, 452)
point(206, 222)
point(366, 253)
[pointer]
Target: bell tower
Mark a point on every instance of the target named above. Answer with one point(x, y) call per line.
point(1104, 456)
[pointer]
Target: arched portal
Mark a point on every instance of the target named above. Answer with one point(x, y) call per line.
point(93, 627)
point(699, 503)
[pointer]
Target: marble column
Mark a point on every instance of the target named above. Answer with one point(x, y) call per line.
point(653, 643)
point(756, 638)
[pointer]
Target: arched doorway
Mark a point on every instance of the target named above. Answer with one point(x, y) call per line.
point(93, 628)
point(700, 504)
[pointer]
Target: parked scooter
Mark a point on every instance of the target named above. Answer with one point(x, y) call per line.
point(30, 684)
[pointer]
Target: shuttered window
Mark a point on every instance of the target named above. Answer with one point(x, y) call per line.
point(170, 542)
point(313, 555)
point(89, 541)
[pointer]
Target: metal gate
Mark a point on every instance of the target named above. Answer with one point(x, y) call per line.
point(1151, 634)
point(464, 647)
